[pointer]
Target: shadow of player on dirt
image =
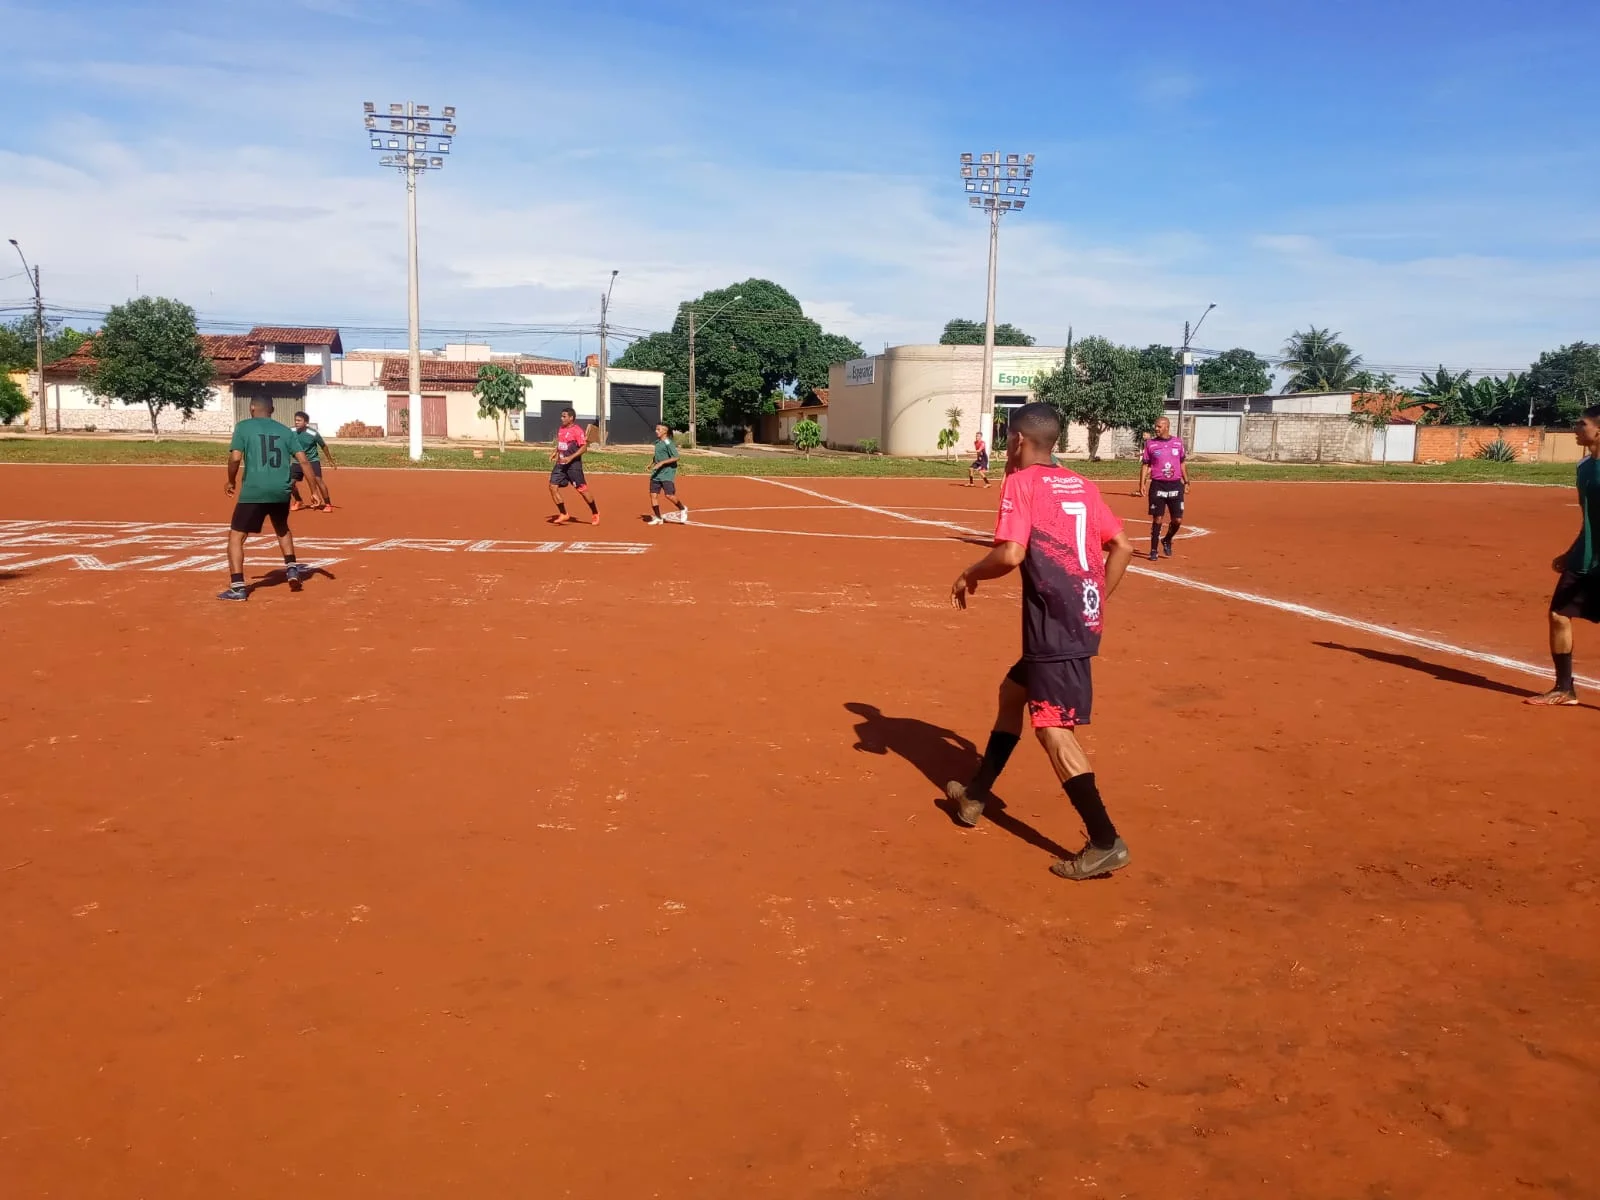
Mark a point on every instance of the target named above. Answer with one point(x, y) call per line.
point(1438, 670)
point(941, 755)
point(278, 577)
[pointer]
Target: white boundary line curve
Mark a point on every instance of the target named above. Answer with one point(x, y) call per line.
point(1404, 637)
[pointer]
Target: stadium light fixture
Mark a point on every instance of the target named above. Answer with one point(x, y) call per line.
point(997, 182)
point(409, 139)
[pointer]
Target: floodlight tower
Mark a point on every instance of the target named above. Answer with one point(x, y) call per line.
point(412, 141)
point(997, 183)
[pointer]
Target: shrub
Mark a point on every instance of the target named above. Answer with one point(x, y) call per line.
point(868, 445)
point(1498, 450)
point(947, 440)
point(13, 401)
point(807, 436)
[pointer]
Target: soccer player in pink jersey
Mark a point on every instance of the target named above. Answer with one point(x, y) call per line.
point(980, 461)
point(1165, 466)
point(1055, 525)
point(568, 469)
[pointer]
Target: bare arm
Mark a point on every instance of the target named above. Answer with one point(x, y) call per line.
point(235, 460)
point(665, 462)
point(1119, 553)
point(1005, 558)
point(328, 451)
point(1144, 474)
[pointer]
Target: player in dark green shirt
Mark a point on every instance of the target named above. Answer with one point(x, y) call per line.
point(266, 450)
point(1578, 590)
point(315, 448)
point(664, 478)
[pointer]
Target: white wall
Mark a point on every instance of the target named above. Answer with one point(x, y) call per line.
point(330, 406)
point(1332, 403)
point(80, 409)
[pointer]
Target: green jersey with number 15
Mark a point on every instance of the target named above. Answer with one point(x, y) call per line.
point(268, 448)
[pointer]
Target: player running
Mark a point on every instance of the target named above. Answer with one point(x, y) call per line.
point(1165, 467)
point(568, 469)
point(1055, 525)
point(980, 461)
point(311, 442)
point(664, 478)
point(1577, 591)
point(266, 450)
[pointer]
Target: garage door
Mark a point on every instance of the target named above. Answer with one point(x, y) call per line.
point(1394, 443)
point(1216, 435)
point(635, 409)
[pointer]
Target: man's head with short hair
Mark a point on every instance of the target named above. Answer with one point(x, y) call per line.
point(261, 406)
point(1163, 427)
point(302, 420)
point(1588, 428)
point(661, 430)
point(1034, 430)
point(568, 416)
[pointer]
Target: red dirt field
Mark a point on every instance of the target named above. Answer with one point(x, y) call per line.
point(577, 872)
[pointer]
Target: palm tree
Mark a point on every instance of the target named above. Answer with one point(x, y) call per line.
point(1449, 399)
point(1319, 362)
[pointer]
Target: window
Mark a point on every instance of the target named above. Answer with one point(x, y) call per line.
point(289, 354)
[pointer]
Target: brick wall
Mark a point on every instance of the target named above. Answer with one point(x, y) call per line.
point(1446, 443)
point(1304, 437)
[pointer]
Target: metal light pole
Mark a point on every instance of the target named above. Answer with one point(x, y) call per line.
point(693, 427)
point(605, 396)
point(38, 341)
point(1186, 363)
point(997, 183)
point(414, 140)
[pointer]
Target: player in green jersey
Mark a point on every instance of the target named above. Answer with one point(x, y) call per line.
point(664, 478)
point(1577, 591)
point(316, 449)
point(266, 450)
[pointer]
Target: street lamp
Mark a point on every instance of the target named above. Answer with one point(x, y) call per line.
point(38, 339)
point(605, 397)
point(1186, 364)
point(693, 427)
point(411, 139)
point(996, 183)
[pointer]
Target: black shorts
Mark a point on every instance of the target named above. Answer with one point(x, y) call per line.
point(1577, 596)
point(296, 474)
point(1060, 694)
point(563, 474)
point(1166, 496)
point(981, 463)
point(248, 518)
point(669, 486)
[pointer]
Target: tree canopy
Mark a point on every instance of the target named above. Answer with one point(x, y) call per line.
point(748, 352)
point(1165, 362)
point(1319, 362)
point(499, 393)
point(1236, 372)
point(16, 343)
point(1106, 386)
point(148, 352)
point(1563, 383)
point(961, 332)
point(13, 403)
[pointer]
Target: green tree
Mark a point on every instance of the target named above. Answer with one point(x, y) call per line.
point(1165, 362)
point(759, 347)
point(807, 435)
point(1319, 362)
point(1106, 386)
point(16, 343)
point(149, 353)
point(1563, 383)
point(1236, 372)
point(499, 393)
point(960, 332)
point(13, 401)
point(1447, 399)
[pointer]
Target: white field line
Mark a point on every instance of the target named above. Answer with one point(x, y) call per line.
point(1404, 637)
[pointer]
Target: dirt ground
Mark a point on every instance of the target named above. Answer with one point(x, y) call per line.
point(609, 862)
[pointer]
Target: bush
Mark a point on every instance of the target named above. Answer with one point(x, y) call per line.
point(868, 445)
point(1498, 450)
point(13, 402)
point(807, 436)
point(355, 429)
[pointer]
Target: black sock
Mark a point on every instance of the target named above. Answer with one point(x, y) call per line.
point(593, 507)
point(1155, 534)
point(656, 509)
point(561, 507)
point(1172, 532)
point(1085, 797)
point(995, 755)
point(288, 560)
point(236, 580)
point(1563, 672)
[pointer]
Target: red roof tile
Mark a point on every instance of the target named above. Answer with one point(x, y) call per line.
point(296, 336)
point(444, 375)
point(282, 373)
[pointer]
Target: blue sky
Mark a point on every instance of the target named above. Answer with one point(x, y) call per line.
point(1417, 175)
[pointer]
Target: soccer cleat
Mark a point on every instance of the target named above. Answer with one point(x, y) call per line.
point(1555, 698)
point(968, 808)
point(297, 572)
point(1154, 556)
point(595, 519)
point(328, 507)
point(1166, 547)
point(655, 520)
point(683, 516)
point(236, 591)
point(295, 506)
point(1092, 862)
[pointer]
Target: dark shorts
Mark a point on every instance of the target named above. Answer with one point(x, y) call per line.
point(981, 463)
point(669, 486)
point(571, 473)
point(248, 518)
point(1166, 497)
point(1577, 596)
point(296, 473)
point(1060, 694)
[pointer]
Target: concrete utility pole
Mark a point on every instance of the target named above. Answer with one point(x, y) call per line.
point(1186, 386)
point(604, 402)
point(38, 342)
point(997, 183)
point(407, 132)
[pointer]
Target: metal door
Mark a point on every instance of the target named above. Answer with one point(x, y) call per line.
point(1216, 435)
point(435, 424)
point(1394, 443)
point(635, 409)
